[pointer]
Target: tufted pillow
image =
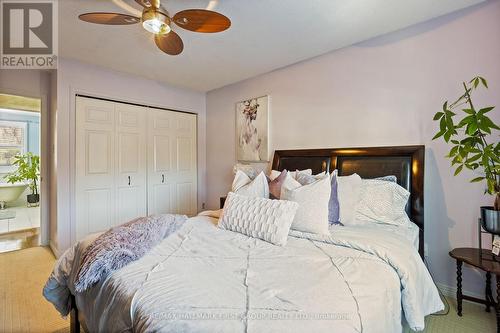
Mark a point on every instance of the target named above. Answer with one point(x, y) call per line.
point(390, 178)
point(243, 185)
point(382, 202)
point(312, 214)
point(266, 219)
point(353, 187)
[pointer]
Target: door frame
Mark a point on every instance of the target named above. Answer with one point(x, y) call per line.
point(44, 156)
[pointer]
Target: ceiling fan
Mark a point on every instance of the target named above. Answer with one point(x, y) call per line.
point(156, 20)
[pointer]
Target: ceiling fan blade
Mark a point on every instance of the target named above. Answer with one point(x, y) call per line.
point(201, 20)
point(109, 18)
point(170, 43)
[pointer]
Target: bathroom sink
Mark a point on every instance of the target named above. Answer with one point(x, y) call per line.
point(10, 192)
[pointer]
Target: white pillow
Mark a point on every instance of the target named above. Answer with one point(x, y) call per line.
point(266, 219)
point(243, 185)
point(382, 202)
point(312, 215)
point(248, 169)
point(293, 174)
point(348, 188)
point(305, 179)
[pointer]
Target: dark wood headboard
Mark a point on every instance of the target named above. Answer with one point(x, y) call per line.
point(404, 162)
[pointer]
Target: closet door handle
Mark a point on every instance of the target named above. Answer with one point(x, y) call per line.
point(128, 180)
point(163, 179)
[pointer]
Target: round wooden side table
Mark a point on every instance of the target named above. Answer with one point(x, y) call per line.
point(486, 262)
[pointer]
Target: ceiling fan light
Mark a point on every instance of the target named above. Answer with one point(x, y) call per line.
point(155, 22)
point(156, 26)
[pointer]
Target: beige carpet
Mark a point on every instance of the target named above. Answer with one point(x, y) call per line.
point(23, 308)
point(474, 320)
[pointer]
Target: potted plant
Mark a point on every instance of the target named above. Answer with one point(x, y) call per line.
point(470, 148)
point(28, 170)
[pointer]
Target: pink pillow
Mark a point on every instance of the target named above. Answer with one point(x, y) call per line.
point(275, 185)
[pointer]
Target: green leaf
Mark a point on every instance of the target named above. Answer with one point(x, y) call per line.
point(491, 186)
point(438, 115)
point(442, 124)
point(485, 128)
point(484, 160)
point(487, 122)
point(453, 151)
point(457, 159)
point(445, 106)
point(485, 110)
point(469, 111)
point(466, 120)
point(440, 133)
point(464, 153)
point(492, 156)
point(484, 82)
point(476, 180)
point(474, 158)
point(471, 129)
point(448, 135)
point(449, 123)
point(459, 169)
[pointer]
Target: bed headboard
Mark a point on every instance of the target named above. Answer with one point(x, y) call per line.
point(404, 162)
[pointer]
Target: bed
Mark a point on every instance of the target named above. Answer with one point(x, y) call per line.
point(204, 279)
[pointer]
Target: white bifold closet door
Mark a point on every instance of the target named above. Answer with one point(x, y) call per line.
point(131, 161)
point(172, 173)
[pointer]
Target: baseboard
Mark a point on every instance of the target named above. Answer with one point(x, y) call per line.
point(451, 291)
point(54, 249)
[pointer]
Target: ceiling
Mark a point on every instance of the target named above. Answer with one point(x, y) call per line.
point(265, 35)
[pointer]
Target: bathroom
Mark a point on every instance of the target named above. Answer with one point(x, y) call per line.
point(19, 172)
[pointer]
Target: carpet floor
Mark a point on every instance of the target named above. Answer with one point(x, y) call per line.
point(23, 309)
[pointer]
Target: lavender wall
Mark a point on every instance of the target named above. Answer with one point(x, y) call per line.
point(380, 92)
point(77, 77)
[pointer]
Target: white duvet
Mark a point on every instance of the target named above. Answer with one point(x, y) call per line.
point(204, 279)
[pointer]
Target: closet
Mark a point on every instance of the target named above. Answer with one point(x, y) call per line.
point(131, 161)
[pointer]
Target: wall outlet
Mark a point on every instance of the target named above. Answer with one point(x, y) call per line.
point(426, 250)
point(203, 206)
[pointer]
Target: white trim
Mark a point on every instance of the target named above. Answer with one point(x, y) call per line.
point(23, 112)
point(451, 292)
point(54, 249)
point(44, 154)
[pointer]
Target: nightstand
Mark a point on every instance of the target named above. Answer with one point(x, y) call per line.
point(486, 262)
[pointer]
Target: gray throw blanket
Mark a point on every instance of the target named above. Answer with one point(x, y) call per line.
point(123, 244)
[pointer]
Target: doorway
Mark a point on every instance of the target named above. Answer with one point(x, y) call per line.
point(20, 151)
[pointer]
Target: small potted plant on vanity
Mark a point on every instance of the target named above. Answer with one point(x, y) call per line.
point(470, 147)
point(28, 171)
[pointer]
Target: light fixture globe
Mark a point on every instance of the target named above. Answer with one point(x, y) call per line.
point(156, 22)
